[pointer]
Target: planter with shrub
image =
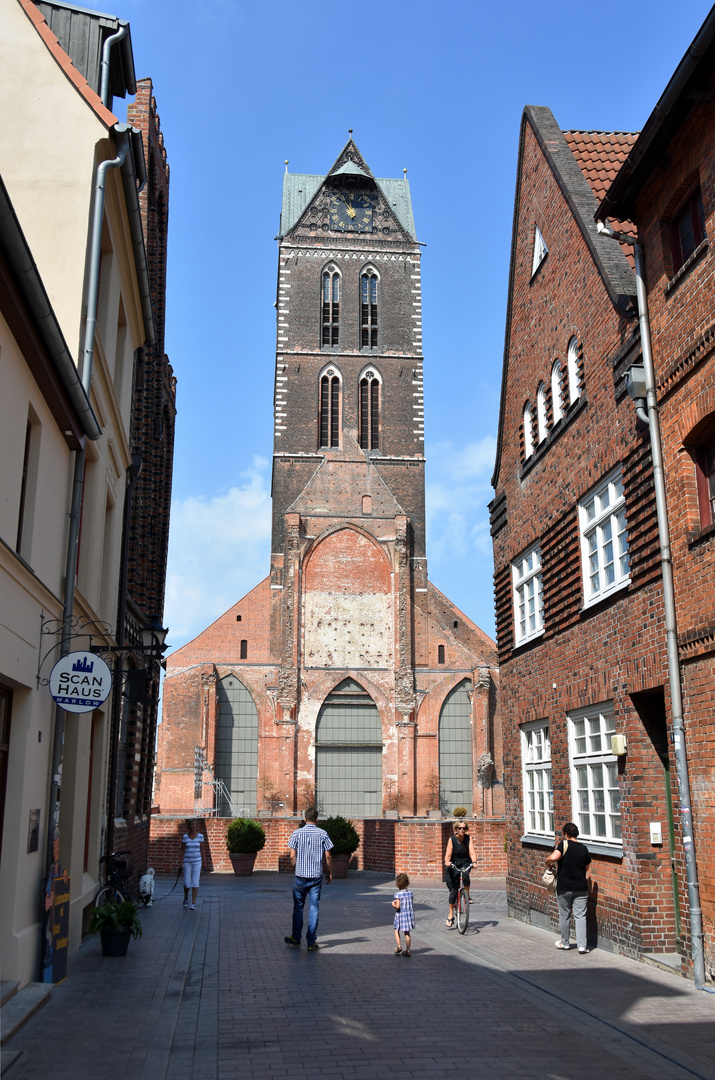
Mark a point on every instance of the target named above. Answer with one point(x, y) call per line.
point(115, 922)
point(345, 841)
point(244, 839)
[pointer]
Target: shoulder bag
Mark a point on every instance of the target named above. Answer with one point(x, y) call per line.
point(551, 873)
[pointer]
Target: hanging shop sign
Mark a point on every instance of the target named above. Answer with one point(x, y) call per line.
point(80, 682)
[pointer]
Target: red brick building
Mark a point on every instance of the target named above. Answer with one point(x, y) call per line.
point(345, 676)
point(580, 613)
point(667, 189)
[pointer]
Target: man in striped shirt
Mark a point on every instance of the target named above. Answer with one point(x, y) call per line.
point(307, 846)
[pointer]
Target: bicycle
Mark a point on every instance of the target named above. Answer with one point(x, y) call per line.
point(114, 887)
point(462, 904)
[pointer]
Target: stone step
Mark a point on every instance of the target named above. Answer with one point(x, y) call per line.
point(7, 989)
point(21, 1006)
point(665, 961)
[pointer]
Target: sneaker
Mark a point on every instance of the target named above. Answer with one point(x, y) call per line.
point(560, 945)
point(292, 942)
point(192, 907)
point(584, 951)
point(314, 947)
point(186, 903)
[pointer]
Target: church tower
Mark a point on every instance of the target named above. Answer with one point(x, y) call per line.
point(344, 678)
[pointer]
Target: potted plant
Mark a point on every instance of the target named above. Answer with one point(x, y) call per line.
point(345, 841)
point(460, 812)
point(244, 839)
point(115, 922)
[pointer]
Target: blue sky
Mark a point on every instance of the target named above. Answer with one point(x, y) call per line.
point(437, 89)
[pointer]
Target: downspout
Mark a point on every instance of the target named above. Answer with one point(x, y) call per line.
point(671, 634)
point(77, 494)
point(106, 50)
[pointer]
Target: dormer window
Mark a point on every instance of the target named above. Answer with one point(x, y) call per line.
point(331, 306)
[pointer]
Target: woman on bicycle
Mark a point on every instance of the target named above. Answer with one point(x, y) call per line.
point(460, 851)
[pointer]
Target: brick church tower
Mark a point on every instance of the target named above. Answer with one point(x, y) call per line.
point(345, 677)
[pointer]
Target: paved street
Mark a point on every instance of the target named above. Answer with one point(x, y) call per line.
point(215, 993)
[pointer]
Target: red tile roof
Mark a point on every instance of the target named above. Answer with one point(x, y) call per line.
point(600, 155)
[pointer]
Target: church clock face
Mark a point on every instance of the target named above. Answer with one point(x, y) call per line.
point(350, 213)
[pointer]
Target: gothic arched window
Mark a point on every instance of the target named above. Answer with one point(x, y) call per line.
point(370, 410)
point(556, 403)
point(331, 306)
point(329, 408)
point(528, 433)
point(542, 426)
point(573, 370)
point(368, 309)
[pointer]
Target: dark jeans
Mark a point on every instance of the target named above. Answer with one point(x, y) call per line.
point(306, 888)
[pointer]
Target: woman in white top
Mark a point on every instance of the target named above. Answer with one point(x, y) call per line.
point(192, 861)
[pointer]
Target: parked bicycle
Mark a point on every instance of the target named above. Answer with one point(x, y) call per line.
point(461, 906)
point(115, 878)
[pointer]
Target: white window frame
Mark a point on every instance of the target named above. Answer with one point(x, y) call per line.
point(573, 372)
point(540, 250)
point(542, 423)
point(556, 403)
point(604, 539)
point(537, 779)
point(528, 593)
point(528, 432)
point(595, 787)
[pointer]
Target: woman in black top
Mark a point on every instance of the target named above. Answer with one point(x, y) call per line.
point(460, 851)
point(571, 886)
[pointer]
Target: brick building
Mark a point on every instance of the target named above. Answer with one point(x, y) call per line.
point(345, 676)
point(580, 611)
point(667, 189)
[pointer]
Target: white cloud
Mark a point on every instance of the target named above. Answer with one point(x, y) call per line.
point(219, 549)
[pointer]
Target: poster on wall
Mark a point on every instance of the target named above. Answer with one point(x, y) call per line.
point(56, 924)
point(80, 682)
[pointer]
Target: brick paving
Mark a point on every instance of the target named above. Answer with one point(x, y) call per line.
point(215, 995)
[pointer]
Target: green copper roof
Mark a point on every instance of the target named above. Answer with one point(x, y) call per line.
point(300, 188)
point(349, 169)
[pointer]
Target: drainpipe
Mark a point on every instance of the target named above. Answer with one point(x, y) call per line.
point(76, 502)
point(106, 50)
point(671, 634)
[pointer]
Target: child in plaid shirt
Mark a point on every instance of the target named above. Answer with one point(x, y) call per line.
point(404, 913)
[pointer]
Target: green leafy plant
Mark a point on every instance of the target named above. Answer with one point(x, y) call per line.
point(245, 836)
point(115, 916)
point(343, 834)
point(460, 811)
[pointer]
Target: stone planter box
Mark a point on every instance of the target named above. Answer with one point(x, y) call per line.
point(242, 863)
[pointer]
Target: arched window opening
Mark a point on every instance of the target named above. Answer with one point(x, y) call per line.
point(556, 401)
point(244, 649)
point(329, 421)
point(368, 309)
point(236, 748)
point(541, 421)
point(370, 411)
point(528, 433)
point(348, 753)
point(440, 654)
point(574, 376)
point(331, 306)
point(455, 750)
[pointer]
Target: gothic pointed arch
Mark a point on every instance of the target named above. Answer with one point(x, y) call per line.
point(348, 753)
point(330, 403)
point(369, 408)
point(236, 747)
point(455, 749)
point(369, 307)
point(330, 289)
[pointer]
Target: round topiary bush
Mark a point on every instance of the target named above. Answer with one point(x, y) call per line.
point(342, 833)
point(245, 836)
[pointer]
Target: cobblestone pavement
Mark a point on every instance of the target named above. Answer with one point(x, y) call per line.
point(215, 994)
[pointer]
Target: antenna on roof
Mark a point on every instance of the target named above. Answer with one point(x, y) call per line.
point(350, 132)
point(286, 163)
point(405, 172)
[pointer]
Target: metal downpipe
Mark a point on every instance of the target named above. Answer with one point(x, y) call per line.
point(106, 50)
point(671, 633)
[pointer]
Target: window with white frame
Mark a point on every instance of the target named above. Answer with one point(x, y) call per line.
point(540, 250)
point(556, 403)
point(604, 539)
point(572, 366)
point(542, 426)
point(528, 432)
point(528, 595)
point(595, 791)
point(536, 768)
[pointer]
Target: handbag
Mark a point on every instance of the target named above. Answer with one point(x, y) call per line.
point(551, 873)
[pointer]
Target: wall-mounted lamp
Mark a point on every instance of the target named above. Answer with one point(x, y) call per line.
point(619, 745)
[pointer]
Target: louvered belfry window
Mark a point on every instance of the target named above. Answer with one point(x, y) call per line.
point(368, 310)
point(370, 411)
point(330, 409)
point(331, 307)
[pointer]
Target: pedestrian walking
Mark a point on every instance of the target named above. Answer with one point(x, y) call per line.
point(192, 862)
point(404, 913)
point(571, 887)
point(307, 846)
